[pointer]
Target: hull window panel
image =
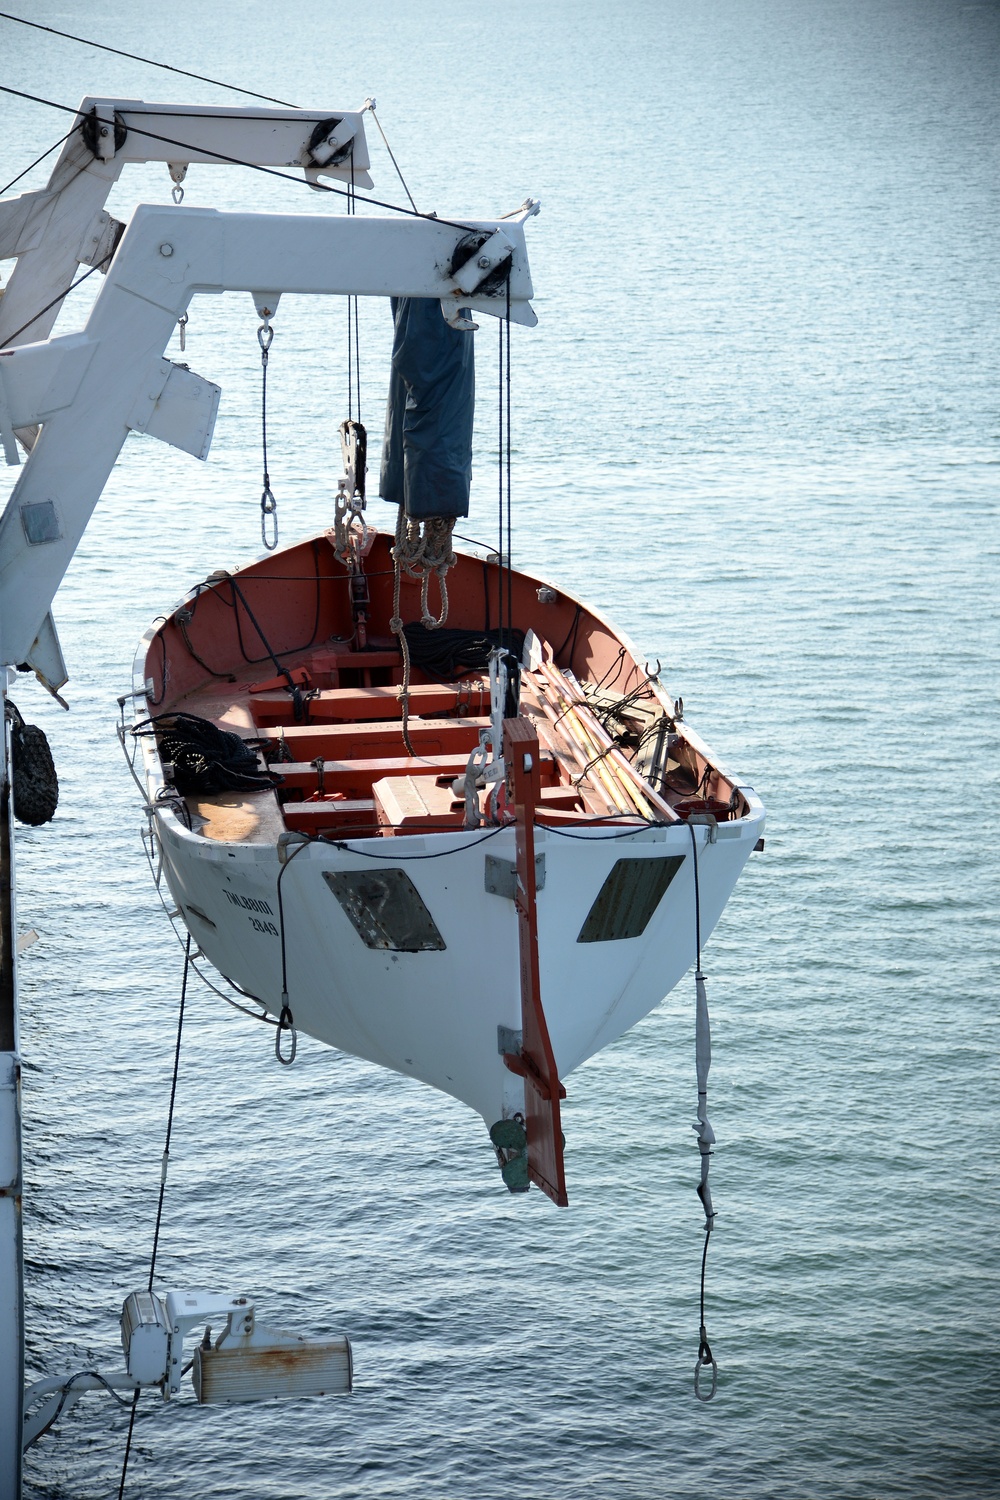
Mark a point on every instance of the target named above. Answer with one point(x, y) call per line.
point(628, 898)
point(385, 910)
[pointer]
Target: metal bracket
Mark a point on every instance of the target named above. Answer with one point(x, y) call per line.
point(501, 876)
point(509, 1040)
point(709, 821)
point(178, 407)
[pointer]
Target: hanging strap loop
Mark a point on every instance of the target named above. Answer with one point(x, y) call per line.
point(268, 504)
point(286, 1022)
point(705, 1361)
point(703, 1129)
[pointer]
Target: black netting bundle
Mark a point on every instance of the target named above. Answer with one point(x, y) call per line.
point(33, 772)
point(206, 759)
point(449, 654)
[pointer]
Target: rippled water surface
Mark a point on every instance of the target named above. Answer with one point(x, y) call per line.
point(758, 424)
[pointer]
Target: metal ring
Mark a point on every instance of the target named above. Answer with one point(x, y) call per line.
point(265, 333)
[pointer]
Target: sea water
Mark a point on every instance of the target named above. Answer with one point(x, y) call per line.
point(758, 425)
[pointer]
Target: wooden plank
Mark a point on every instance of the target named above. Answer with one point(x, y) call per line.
point(413, 802)
point(339, 775)
point(342, 775)
point(343, 816)
point(333, 704)
point(347, 741)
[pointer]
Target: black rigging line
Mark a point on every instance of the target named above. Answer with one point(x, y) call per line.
point(150, 61)
point(37, 160)
point(71, 288)
point(500, 416)
point(163, 1186)
point(505, 333)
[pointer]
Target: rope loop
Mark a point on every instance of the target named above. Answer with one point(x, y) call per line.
point(419, 551)
point(424, 550)
point(286, 1022)
point(265, 333)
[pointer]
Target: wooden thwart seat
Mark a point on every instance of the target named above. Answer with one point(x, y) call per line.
point(406, 803)
point(355, 778)
point(335, 816)
point(341, 704)
point(361, 741)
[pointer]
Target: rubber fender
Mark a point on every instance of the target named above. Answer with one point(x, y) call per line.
point(33, 773)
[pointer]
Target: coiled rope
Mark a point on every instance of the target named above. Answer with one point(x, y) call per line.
point(205, 758)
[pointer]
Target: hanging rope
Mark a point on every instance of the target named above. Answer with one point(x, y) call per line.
point(706, 1135)
point(164, 1164)
point(268, 504)
point(500, 447)
point(505, 333)
point(353, 332)
point(505, 608)
point(286, 1021)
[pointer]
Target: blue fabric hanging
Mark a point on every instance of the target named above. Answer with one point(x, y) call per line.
point(427, 450)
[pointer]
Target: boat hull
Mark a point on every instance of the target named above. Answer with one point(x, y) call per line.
point(434, 1015)
point(401, 945)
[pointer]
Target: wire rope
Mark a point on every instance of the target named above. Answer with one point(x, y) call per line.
point(37, 160)
point(165, 1160)
point(71, 288)
point(149, 61)
point(392, 157)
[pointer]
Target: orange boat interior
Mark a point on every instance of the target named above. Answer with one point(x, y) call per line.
point(295, 652)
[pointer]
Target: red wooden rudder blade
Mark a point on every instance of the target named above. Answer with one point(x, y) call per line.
point(536, 1062)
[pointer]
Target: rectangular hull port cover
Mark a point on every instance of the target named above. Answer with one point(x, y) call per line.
point(385, 909)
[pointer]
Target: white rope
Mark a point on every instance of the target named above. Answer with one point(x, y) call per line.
point(419, 552)
point(423, 550)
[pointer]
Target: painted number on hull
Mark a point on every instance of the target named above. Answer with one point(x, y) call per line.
point(251, 905)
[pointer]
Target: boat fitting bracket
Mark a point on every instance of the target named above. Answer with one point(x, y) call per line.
point(501, 878)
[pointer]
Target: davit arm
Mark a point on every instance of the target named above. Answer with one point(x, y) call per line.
point(87, 390)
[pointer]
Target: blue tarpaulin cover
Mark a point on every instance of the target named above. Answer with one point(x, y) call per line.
point(427, 451)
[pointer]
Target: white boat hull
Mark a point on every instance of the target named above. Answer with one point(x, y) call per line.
point(434, 1015)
